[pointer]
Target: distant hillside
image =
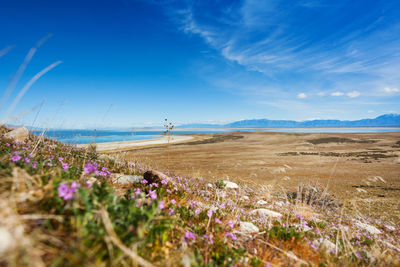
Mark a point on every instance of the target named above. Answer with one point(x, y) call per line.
point(387, 120)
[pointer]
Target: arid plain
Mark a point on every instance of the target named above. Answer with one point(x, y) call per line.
point(361, 170)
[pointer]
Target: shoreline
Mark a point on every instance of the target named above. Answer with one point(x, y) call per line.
point(126, 145)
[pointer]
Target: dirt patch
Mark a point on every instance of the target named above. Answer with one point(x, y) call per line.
point(214, 139)
point(327, 140)
point(362, 154)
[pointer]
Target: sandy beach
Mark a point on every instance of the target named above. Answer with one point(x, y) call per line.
point(127, 145)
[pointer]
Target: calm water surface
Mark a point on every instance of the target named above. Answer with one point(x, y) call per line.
point(102, 136)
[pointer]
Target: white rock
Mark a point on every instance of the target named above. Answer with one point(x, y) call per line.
point(6, 240)
point(127, 179)
point(230, 185)
point(325, 243)
point(369, 228)
point(267, 212)
point(261, 202)
point(209, 185)
point(248, 227)
point(390, 227)
point(19, 134)
point(279, 203)
point(244, 198)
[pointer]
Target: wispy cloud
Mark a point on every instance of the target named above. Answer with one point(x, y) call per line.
point(353, 94)
point(309, 39)
point(391, 90)
point(301, 96)
point(337, 94)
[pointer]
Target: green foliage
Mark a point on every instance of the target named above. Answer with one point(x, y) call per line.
point(285, 233)
point(220, 184)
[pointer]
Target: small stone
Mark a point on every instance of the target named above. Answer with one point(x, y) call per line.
point(369, 228)
point(267, 212)
point(390, 227)
point(209, 185)
point(244, 198)
point(261, 202)
point(230, 185)
point(248, 227)
point(19, 134)
point(325, 244)
point(127, 179)
point(279, 203)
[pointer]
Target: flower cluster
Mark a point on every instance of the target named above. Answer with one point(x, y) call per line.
point(93, 167)
point(66, 192)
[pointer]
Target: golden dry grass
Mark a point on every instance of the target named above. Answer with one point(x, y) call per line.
point(347, 163)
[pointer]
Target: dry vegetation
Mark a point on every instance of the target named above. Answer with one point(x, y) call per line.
point(343, 162)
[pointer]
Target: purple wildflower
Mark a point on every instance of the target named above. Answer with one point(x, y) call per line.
point(74, 186)
point(65, 192)
point(161, 205)
point(27, 160)
point(60, 159)
point(231, 224)
point(173, 201)
point(15, 158)
point(209, 213)
point(152, 194)
point(34, 165)
point(7, 144)
point(144, 181)
point(65, 166)
point(90, 168)
point(190, 235)
point(137, 191)
point(171, 211)
point(164, 181)
point(232, 235)
point(197, 211)
point(218, 221)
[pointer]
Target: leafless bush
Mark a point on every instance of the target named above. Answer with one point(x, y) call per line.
point(312, 195)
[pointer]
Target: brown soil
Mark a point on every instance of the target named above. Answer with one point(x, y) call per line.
point(345, 162)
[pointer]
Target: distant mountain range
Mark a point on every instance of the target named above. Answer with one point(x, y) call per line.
point(387, 120)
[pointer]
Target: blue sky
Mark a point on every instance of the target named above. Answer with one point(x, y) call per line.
point(130, 63)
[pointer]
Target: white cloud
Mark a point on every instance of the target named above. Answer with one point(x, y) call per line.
point(391, 90)
point(370, 111)
point(321, 94)
point(353, 94)
point(302, 96)
point(337, 94)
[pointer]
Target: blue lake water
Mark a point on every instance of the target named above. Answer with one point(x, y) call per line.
point(102, 136)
